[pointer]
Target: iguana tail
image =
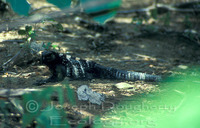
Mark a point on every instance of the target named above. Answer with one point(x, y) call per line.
point(112, 73)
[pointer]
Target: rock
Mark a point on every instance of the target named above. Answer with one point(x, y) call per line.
point(86, 93)
point(124, 85)
point(182, 66)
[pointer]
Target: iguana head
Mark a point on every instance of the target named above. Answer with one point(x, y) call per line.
point(50, 58)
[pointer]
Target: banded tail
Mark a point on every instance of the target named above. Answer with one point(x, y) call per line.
point(112, 73)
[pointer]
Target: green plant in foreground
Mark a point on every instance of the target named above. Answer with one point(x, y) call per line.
point(38, 107)
point(175, 106)
point(109, 8)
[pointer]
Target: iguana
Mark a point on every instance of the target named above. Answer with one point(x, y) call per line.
point(63, 65)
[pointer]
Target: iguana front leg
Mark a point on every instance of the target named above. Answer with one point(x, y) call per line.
point(58, 74)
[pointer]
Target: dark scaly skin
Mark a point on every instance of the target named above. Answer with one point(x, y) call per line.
point(62, 65)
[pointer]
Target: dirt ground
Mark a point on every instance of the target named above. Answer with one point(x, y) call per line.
point(124, 45)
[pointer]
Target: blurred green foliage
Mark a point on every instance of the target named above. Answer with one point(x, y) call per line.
point(60, 3)
point(38, 106)
point(21, 7)
point(101, 11)
point(176, 105)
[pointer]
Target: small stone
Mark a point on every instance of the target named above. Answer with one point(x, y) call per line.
point(123, 85)
point(182, 66)
point(98, 35)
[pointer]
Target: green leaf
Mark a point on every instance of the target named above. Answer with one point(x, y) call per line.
point(32, 103)
point(103, 18)
point(54, 46)
point(22, 32)
point(31, 107)
point(60, 3)
point(101, 11)
point(21, 7)
point(28, 28)
point(100, 6)
point(47, 46)
point(32, 34)
point(49, 117)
